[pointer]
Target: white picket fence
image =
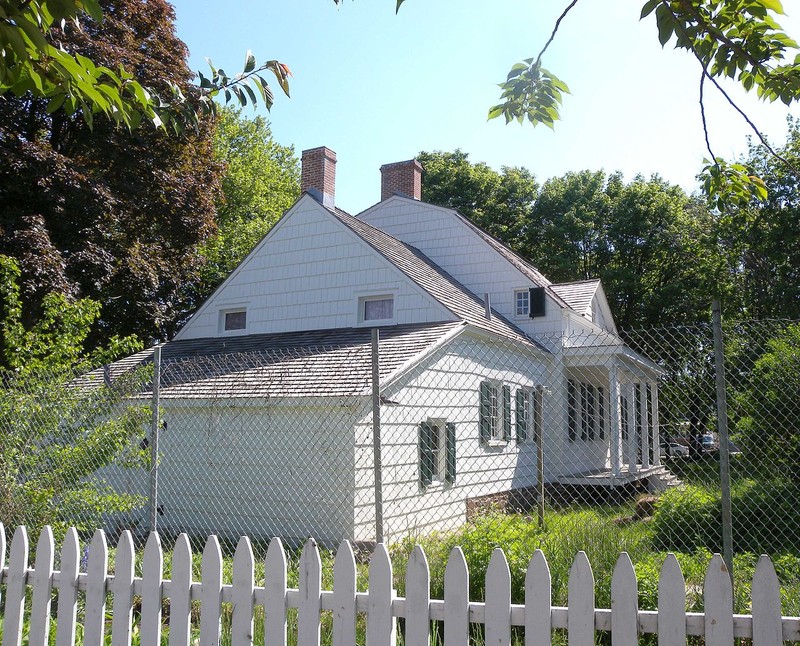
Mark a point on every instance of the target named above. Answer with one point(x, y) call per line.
point(381, 606)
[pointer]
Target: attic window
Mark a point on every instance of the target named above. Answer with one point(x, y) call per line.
point(235, 320)
point(522, 302)
point(377, 308)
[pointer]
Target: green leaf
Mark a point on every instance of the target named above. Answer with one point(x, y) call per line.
point(249, 62)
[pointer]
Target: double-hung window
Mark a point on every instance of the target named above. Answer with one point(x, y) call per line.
point(495, 412)
point(437, 451)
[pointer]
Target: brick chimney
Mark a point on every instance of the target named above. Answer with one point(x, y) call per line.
point(403, 177)
point(318, 174)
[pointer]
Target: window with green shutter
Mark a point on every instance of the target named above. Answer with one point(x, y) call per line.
point(506, 413)
point(572, 411)
point(522, 412)
point(437, 452)
point(427, 458)
point(450, 467)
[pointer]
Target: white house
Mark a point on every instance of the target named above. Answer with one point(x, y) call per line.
point(491, 378)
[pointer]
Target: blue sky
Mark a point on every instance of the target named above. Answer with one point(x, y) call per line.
point(378, 87)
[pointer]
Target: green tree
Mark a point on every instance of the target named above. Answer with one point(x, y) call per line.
point(260, 181)
point(651, 244)
point(761, 240)
point(497, 202)
point(109, 214)
point(769, 427)
point(58, 430)
point(37, 60)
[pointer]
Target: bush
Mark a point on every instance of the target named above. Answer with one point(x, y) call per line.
point(686, 518)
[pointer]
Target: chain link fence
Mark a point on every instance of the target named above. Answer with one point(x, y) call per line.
point(592, 442)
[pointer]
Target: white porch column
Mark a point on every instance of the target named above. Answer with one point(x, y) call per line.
point(615, 422)
point(645, 438)
point(655, 429)
point(630, 415)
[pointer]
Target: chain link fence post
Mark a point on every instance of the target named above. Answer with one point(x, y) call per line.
point(724, 444)
point(376, 435)
point(154, 431)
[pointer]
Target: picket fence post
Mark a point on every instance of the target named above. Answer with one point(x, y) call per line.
point(67, 615)
point(20, 581)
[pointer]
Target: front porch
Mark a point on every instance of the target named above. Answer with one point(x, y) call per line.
point(657, 477)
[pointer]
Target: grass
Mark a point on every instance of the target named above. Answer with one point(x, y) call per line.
point(600, 532)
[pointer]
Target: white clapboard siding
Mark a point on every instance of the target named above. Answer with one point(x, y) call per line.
point(765, 626)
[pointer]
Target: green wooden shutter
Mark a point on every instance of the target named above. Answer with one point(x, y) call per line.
point(450, 470)
point(485, 412)
point(522, 415)
point(426, 455)
point(572, 413)
point(506, 413)
point(601, 412)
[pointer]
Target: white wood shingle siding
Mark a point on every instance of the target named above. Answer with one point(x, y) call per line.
point(308, 274)
point(450, 243)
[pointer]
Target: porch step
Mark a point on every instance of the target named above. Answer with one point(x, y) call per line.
point(662, 479)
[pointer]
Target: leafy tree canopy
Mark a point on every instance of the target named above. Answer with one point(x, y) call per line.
point(57, 431)
point(111, 214)
point(36, 59)
point(261, 180)
point(761, 239)
point(497, 202)
point(652, 245)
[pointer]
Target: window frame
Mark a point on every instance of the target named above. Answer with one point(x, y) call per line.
point(371, 298)
point(525, 292)
point(224, 313)
point(437, 463)
point(494, 412)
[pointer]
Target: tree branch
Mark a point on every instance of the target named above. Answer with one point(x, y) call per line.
point(555, 30)
point(733, 104)
point(703, 116)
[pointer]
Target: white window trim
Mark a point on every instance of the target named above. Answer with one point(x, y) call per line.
point(223, 313)
point(376, 296)
point(496, 437)
point(526, 315)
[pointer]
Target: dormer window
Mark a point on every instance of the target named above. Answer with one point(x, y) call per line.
point(376, 308)
point(233, 320)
